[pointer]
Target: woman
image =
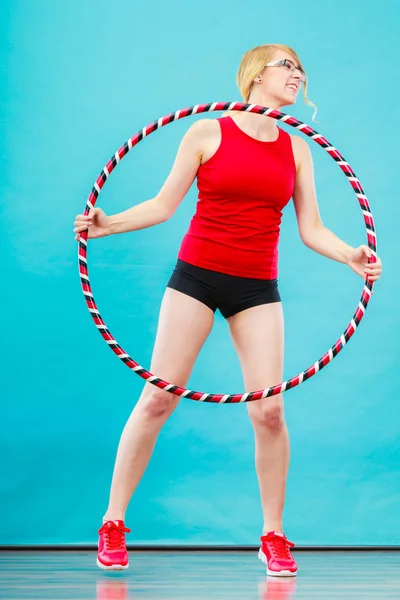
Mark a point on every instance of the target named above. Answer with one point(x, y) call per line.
point(247, 170)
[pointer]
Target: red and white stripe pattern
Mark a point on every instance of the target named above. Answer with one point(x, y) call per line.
point(337, 346)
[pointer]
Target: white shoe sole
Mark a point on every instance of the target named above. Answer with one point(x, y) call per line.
point(112, 567)
point(263, 559)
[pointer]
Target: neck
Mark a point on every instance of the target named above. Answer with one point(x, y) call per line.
point(257, 125)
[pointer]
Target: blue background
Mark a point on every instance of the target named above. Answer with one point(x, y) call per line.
point(78, 79)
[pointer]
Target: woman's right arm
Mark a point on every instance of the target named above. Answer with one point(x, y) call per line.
point(161, 207)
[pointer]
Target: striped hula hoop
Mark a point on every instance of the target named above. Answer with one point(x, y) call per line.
point(314, 368)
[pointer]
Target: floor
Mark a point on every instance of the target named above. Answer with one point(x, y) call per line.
point(195, 576)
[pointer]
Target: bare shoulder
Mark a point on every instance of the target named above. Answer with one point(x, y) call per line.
point(205, 127)
point(301, 149)
point(206, 136)
point(201, 132)
point(299, 142)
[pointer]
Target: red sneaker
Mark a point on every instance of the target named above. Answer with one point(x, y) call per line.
point(112, 552)
point(275, 553)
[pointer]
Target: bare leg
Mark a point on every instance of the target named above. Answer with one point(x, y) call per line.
point(258, 338)
point(184, 325)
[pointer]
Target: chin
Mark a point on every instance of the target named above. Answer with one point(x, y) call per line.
point(292, 98)
point(288, 102)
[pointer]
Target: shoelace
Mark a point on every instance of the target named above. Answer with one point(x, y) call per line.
point(280, 546)
point(114, 534)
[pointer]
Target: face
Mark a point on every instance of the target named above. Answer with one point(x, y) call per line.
point(281, 83)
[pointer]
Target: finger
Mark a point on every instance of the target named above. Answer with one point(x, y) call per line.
point(83, 223)
point(81, 219)
point(81, 228)
point(374, 272)
point(376, 268)
point(367, 251)
point(93, 212)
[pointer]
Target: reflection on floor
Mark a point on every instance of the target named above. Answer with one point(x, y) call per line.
point(196, 576)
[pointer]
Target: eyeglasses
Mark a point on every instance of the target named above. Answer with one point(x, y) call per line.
point(285, 62)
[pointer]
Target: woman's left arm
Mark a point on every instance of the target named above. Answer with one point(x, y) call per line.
point(312, 231)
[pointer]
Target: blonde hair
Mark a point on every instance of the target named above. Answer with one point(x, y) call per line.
point(253, 63)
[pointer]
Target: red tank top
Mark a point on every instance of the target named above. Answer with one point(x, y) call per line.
point(243, 188)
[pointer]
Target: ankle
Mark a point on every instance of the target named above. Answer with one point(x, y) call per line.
point(114, 517)
point(277, 526)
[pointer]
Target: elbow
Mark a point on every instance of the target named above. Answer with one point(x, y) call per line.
point(163, 211)
point(166, 215)
point(309, 234)
point(306, 239)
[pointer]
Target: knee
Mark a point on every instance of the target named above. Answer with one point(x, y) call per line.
point(268, 413)
point(157, 404)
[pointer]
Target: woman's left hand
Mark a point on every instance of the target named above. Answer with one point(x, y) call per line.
point(358, 261)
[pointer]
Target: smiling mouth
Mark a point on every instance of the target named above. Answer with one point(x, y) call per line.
point(292, 86)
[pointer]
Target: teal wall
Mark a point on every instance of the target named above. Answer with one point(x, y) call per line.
point(78, 79)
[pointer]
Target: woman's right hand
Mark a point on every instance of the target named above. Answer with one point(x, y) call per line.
point(96, 222)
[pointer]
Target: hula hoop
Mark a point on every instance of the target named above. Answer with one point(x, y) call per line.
point(319, 364)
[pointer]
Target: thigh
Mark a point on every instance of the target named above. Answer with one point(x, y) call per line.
point(183, 326)
point(258, 337)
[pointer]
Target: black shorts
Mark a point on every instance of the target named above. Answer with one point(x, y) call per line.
point(229, 293)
